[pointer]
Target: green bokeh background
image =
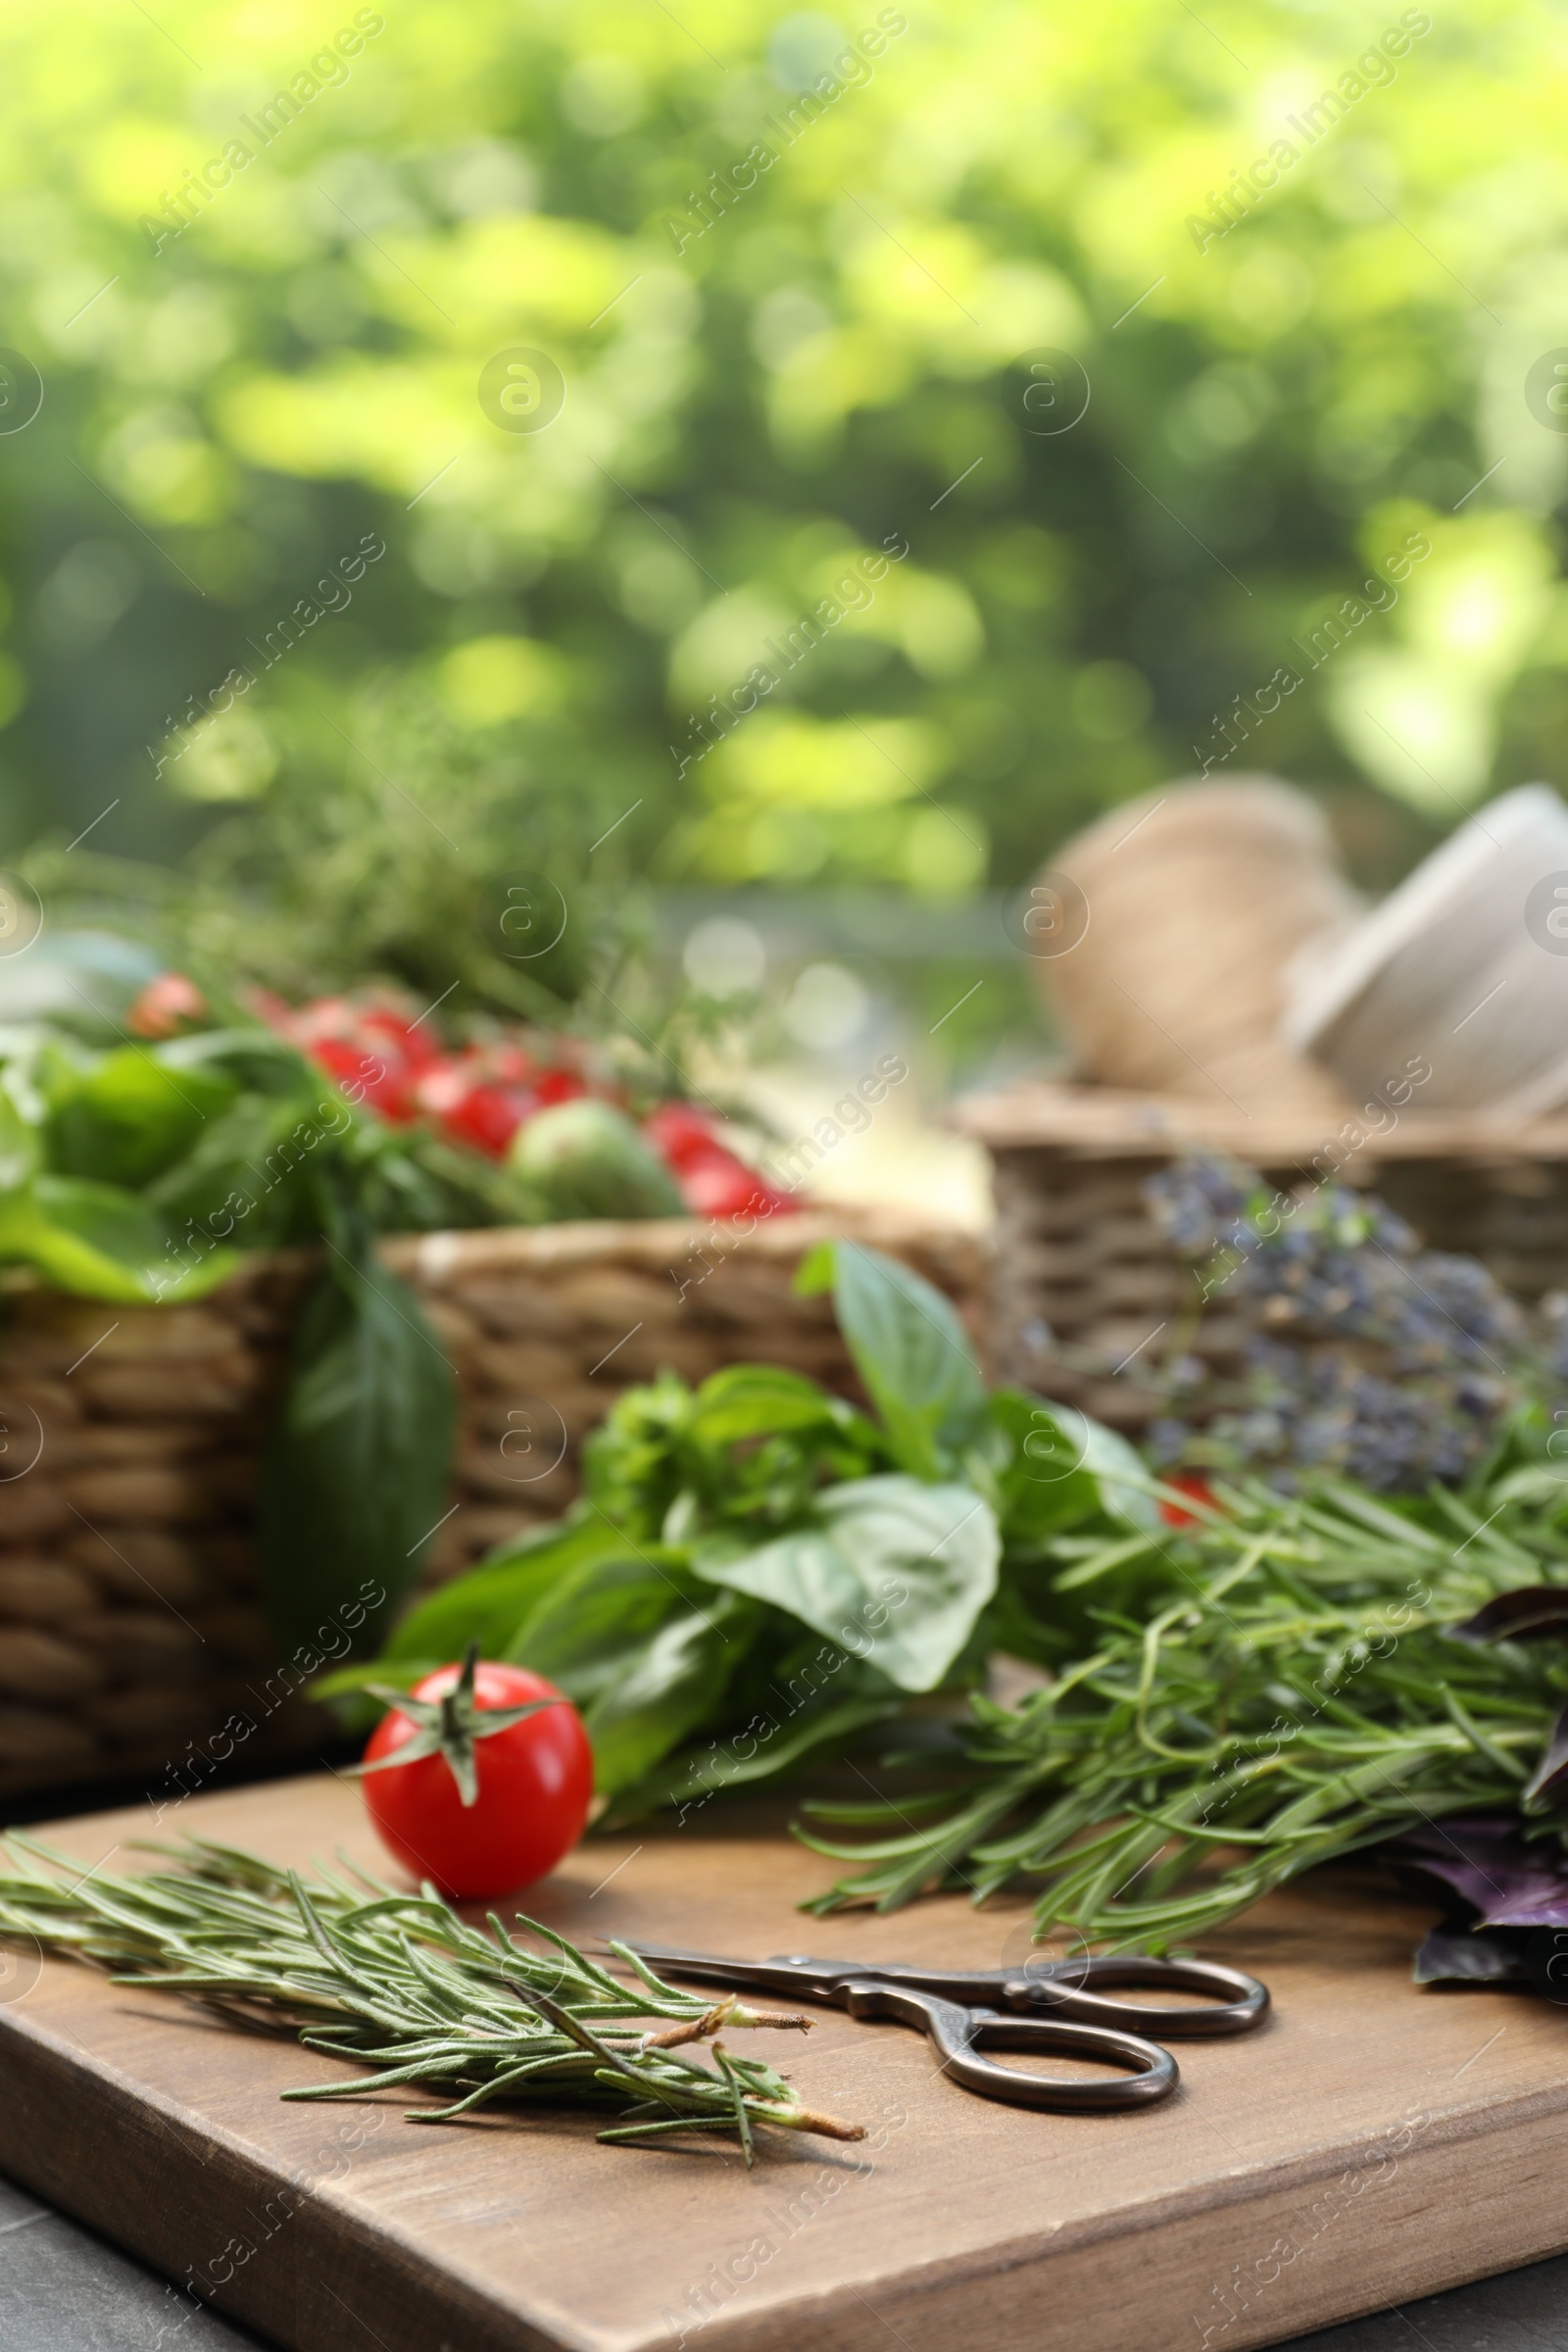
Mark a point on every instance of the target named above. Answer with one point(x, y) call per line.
point(839, 358)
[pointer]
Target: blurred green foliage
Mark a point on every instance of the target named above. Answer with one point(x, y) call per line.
point(763, 383)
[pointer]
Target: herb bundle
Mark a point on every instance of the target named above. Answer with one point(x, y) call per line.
point(1287, 1679)
point(758, 1572)
point(398, 1983)
point(1233, 1688)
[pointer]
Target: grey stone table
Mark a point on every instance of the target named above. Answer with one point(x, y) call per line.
point(64, 2289)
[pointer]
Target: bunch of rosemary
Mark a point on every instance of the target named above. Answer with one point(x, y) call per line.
point(1287, 1679)
point(397, 1982)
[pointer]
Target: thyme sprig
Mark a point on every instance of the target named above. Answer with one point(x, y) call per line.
point(1275, 1685)
point(399, 1982)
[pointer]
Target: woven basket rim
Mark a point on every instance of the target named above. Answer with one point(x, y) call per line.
point(640, 1244)
point(1049, 1113)
point(658, 1241)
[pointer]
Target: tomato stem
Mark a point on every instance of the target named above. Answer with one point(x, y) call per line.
point(450, 1727)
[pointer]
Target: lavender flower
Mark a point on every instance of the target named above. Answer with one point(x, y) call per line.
point(1372, 1356)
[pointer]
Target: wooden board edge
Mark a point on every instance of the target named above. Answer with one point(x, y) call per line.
point(1265, 2256)
point(1320, 2243)
point(296, 2265)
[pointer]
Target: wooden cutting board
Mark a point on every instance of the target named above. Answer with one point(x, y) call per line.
point(1372, 2143)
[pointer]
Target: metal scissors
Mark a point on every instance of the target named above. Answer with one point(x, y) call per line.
point(1043, 2006)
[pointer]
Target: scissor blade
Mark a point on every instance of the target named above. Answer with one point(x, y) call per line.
point(982, 1987)
point(811, 1979)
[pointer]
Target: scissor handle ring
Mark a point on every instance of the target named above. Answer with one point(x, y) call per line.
point(1238, 2002)
point(959, 2034)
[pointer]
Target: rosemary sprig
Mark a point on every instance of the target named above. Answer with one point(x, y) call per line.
point(1277, 1686)
point(398, 1983)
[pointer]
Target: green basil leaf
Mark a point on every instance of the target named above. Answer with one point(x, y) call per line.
point(398, 1674)
point(631, 1467)
point(256, 1059)
point(128, 1118)
point(19, 1140)
point(1042, 1486)
point(895, 1571)
point(102, 1243)
point(249, 1175)
point(591, 1629)
point(752, 1401)
point(643, 1658)
point(493, 1601)
point(353, 1472)
point(911, 1351)
point(1117, 1469)
point(675, 1684)
point(762, 1749)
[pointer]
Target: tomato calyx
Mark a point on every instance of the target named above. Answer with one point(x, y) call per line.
point(450, 1727)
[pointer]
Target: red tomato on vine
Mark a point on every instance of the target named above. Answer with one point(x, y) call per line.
point(480, 1777)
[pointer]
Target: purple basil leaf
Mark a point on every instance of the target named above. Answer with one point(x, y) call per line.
point(1535, 1898)
point(1507, 1883)
point(1516, 1616)
point(1454, 1956)
point(1550, 1777)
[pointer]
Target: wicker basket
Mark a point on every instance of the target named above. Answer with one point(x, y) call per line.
point(129, 1630)
point(1082, 1270)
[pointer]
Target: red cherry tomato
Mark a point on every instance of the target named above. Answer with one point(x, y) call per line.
point(471, 1101)
point(166, 1007)
point(441, 1086)
point(716, 1183)
point(536, 1779)
point(560, 1086)
point(323, 1016)
point(414, 1043)
point(367, 1073)
point(679, 1133)
point(510, 1066)
point(713, 1181)
point(1187, 1481)
point(487, 1117)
